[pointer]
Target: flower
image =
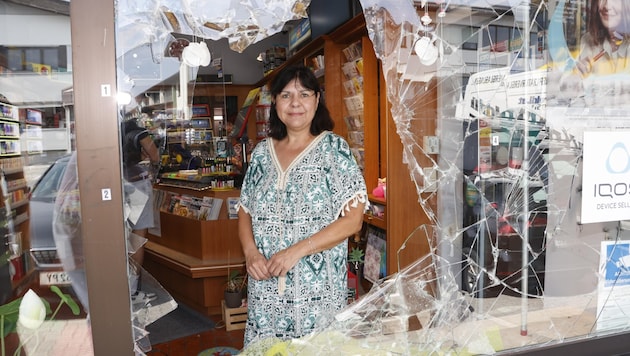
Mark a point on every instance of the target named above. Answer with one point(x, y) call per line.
point(32, 311)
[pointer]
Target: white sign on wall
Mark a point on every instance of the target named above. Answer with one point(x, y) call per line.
point(606, 176)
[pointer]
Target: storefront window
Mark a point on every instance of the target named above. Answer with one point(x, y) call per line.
point(176, 133)
point(513, 120)
point(36, 143)
point(528, 218)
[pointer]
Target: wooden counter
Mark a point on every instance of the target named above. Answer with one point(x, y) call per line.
point(191, 257)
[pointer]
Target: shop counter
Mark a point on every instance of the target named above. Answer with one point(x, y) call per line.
point(190, 257)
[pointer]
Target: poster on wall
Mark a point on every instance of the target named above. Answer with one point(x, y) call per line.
point(613, 292)
point(375, 265)
point(606, 170)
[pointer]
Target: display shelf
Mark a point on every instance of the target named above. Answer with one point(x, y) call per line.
point(14, 190)
point(495, 185)
point(9, 129)
point(352, 69)
point(10, 147)
point(9, 112)
point(192, 258)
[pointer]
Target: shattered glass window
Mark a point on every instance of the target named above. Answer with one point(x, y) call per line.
point(530, 234)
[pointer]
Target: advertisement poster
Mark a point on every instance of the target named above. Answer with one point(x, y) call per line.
point(606, 182)
point(613, 301)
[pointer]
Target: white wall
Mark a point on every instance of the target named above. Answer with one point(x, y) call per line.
point(44, 28)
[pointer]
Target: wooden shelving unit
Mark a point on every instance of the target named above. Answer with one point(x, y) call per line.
point(14, 190)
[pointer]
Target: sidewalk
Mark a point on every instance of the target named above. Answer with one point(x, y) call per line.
point(58, 338)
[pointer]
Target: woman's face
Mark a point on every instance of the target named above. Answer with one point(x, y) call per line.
point(611, 13)
point(296, 106)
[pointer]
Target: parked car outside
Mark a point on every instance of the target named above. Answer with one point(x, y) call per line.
point(42, 203)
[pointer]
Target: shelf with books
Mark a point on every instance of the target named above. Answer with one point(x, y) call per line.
point(317, 63)
point(32, 128)
point(190, 219)
point(353, 99)
point(14, 191)
point(9, 112)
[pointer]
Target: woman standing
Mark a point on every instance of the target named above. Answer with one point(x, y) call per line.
point(302, 196)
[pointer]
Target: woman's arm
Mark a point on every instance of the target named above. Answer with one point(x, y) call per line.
point(330, 236)
point(255, 262)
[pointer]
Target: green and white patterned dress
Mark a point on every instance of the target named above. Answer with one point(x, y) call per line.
point(286, 207)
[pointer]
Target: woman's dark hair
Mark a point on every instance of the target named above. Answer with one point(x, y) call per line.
point(322, 120)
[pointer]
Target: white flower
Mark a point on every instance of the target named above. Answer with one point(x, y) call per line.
point(32, 311)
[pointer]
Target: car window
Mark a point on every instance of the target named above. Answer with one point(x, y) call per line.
point(47, 186)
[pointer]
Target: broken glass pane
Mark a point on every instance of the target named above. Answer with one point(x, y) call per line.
point(520, 257)
point(528, 105)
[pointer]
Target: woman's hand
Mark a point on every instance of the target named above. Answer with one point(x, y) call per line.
point(280, 263)
point(256, 265)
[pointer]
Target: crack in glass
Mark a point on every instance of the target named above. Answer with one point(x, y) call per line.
point(512, 92)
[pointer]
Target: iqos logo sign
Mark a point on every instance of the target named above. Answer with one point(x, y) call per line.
point(617, 162)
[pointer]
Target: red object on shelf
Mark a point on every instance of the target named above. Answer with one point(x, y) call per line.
point(353, 283)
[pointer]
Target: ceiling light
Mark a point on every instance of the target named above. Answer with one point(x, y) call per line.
point(196, 54)
point(426, 50)
point(123, 98)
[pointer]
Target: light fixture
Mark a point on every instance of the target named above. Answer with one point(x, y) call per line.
point(426, 50)
point(196, 54)
point(426, 19)
point(442, 12)
point(123, 98)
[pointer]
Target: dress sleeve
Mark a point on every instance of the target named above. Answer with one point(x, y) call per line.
point(345, 179)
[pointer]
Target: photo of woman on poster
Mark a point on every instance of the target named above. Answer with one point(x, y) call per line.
point(599, 75)
point(604, 46)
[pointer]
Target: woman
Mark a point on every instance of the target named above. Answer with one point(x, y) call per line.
point(302, 196)
point(605, 45)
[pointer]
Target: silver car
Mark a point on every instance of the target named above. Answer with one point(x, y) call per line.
point(42, 204)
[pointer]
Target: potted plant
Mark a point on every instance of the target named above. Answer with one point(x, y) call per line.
point(234, 288)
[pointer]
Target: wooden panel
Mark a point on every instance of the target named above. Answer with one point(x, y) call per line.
point(204, 239)
point(201, 294)
point(195, 282)
point(404, 212)
point(333, 85)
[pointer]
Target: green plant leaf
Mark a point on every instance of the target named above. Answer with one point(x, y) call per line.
point(356, 255)
point(10, 313)
point(11, 307)
point(67, 298)
point(233, 275)
point(47, 305)
point(10, 324)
